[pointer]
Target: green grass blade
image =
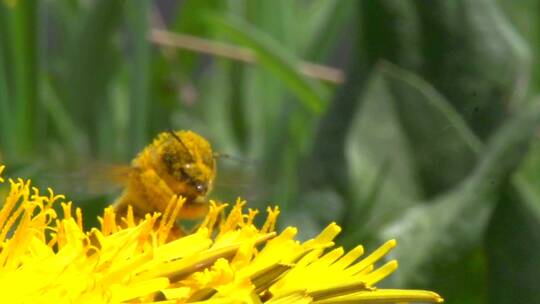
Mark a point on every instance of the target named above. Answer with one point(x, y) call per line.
point(91, 61)
point(6, 132)
point(65, 126)
point(140, 63)
point(274, 58)
point(22, 20)
point(325, 22)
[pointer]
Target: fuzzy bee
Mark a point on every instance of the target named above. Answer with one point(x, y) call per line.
point(175, 163)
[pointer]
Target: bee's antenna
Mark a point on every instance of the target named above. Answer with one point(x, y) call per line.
point(179, 140)
point(235, 158)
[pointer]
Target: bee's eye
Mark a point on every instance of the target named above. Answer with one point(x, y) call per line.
point(201, 188)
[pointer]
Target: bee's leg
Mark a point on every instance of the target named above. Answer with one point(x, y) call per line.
point(193, 211)
point(197, 211)
point(158, 195)
point(121, 205)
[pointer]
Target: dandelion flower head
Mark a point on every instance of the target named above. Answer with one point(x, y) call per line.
point(48, 257)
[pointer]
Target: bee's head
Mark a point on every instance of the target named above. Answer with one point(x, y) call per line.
point(189, 159)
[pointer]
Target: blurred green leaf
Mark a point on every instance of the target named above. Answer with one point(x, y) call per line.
point(513, 243)
point(257, 113)
point(389, 31)
point(280, 129)
point(327, 163)
point(187, 21)
point(360, 212)
point(276, 59)
point(275, 113)
point(279, 25)
point(370, 147)
point(524, 17)
point(91, 63)
point(65, 126)
point(139, 15)
point(23, 57)
point(423, 114)
point(114, 123)
point(238, 114)
point(325, 23)
point(453, 224)
point(474, 57)
point(216, 94)
point(6, 135)
point(444, 148)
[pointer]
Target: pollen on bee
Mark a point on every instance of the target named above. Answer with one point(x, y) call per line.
point(176, 163)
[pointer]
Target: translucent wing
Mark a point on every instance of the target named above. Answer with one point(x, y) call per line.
point(94, 180)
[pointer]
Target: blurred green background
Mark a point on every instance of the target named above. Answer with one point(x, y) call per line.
point(408, 119)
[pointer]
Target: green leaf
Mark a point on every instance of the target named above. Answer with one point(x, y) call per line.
point(139, 14)
point(372, 148)
point(7, 136)
point(216, 95)
point(22, 45)
point(187, 21)
point(357, 221)
point(451, 225)
point(523, 15)
point(65, 126)
point(390, 31)
point(90, 64)
point(512, 246)
point(280, 24)
point(275, 114)
point(424, 113)
point(324, 25)
point(274, 58)
point(475, 58)
point(444, 148)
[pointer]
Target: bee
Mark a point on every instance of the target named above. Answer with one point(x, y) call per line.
point(175, 163)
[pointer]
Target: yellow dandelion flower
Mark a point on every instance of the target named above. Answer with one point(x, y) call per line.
point(48, 257)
